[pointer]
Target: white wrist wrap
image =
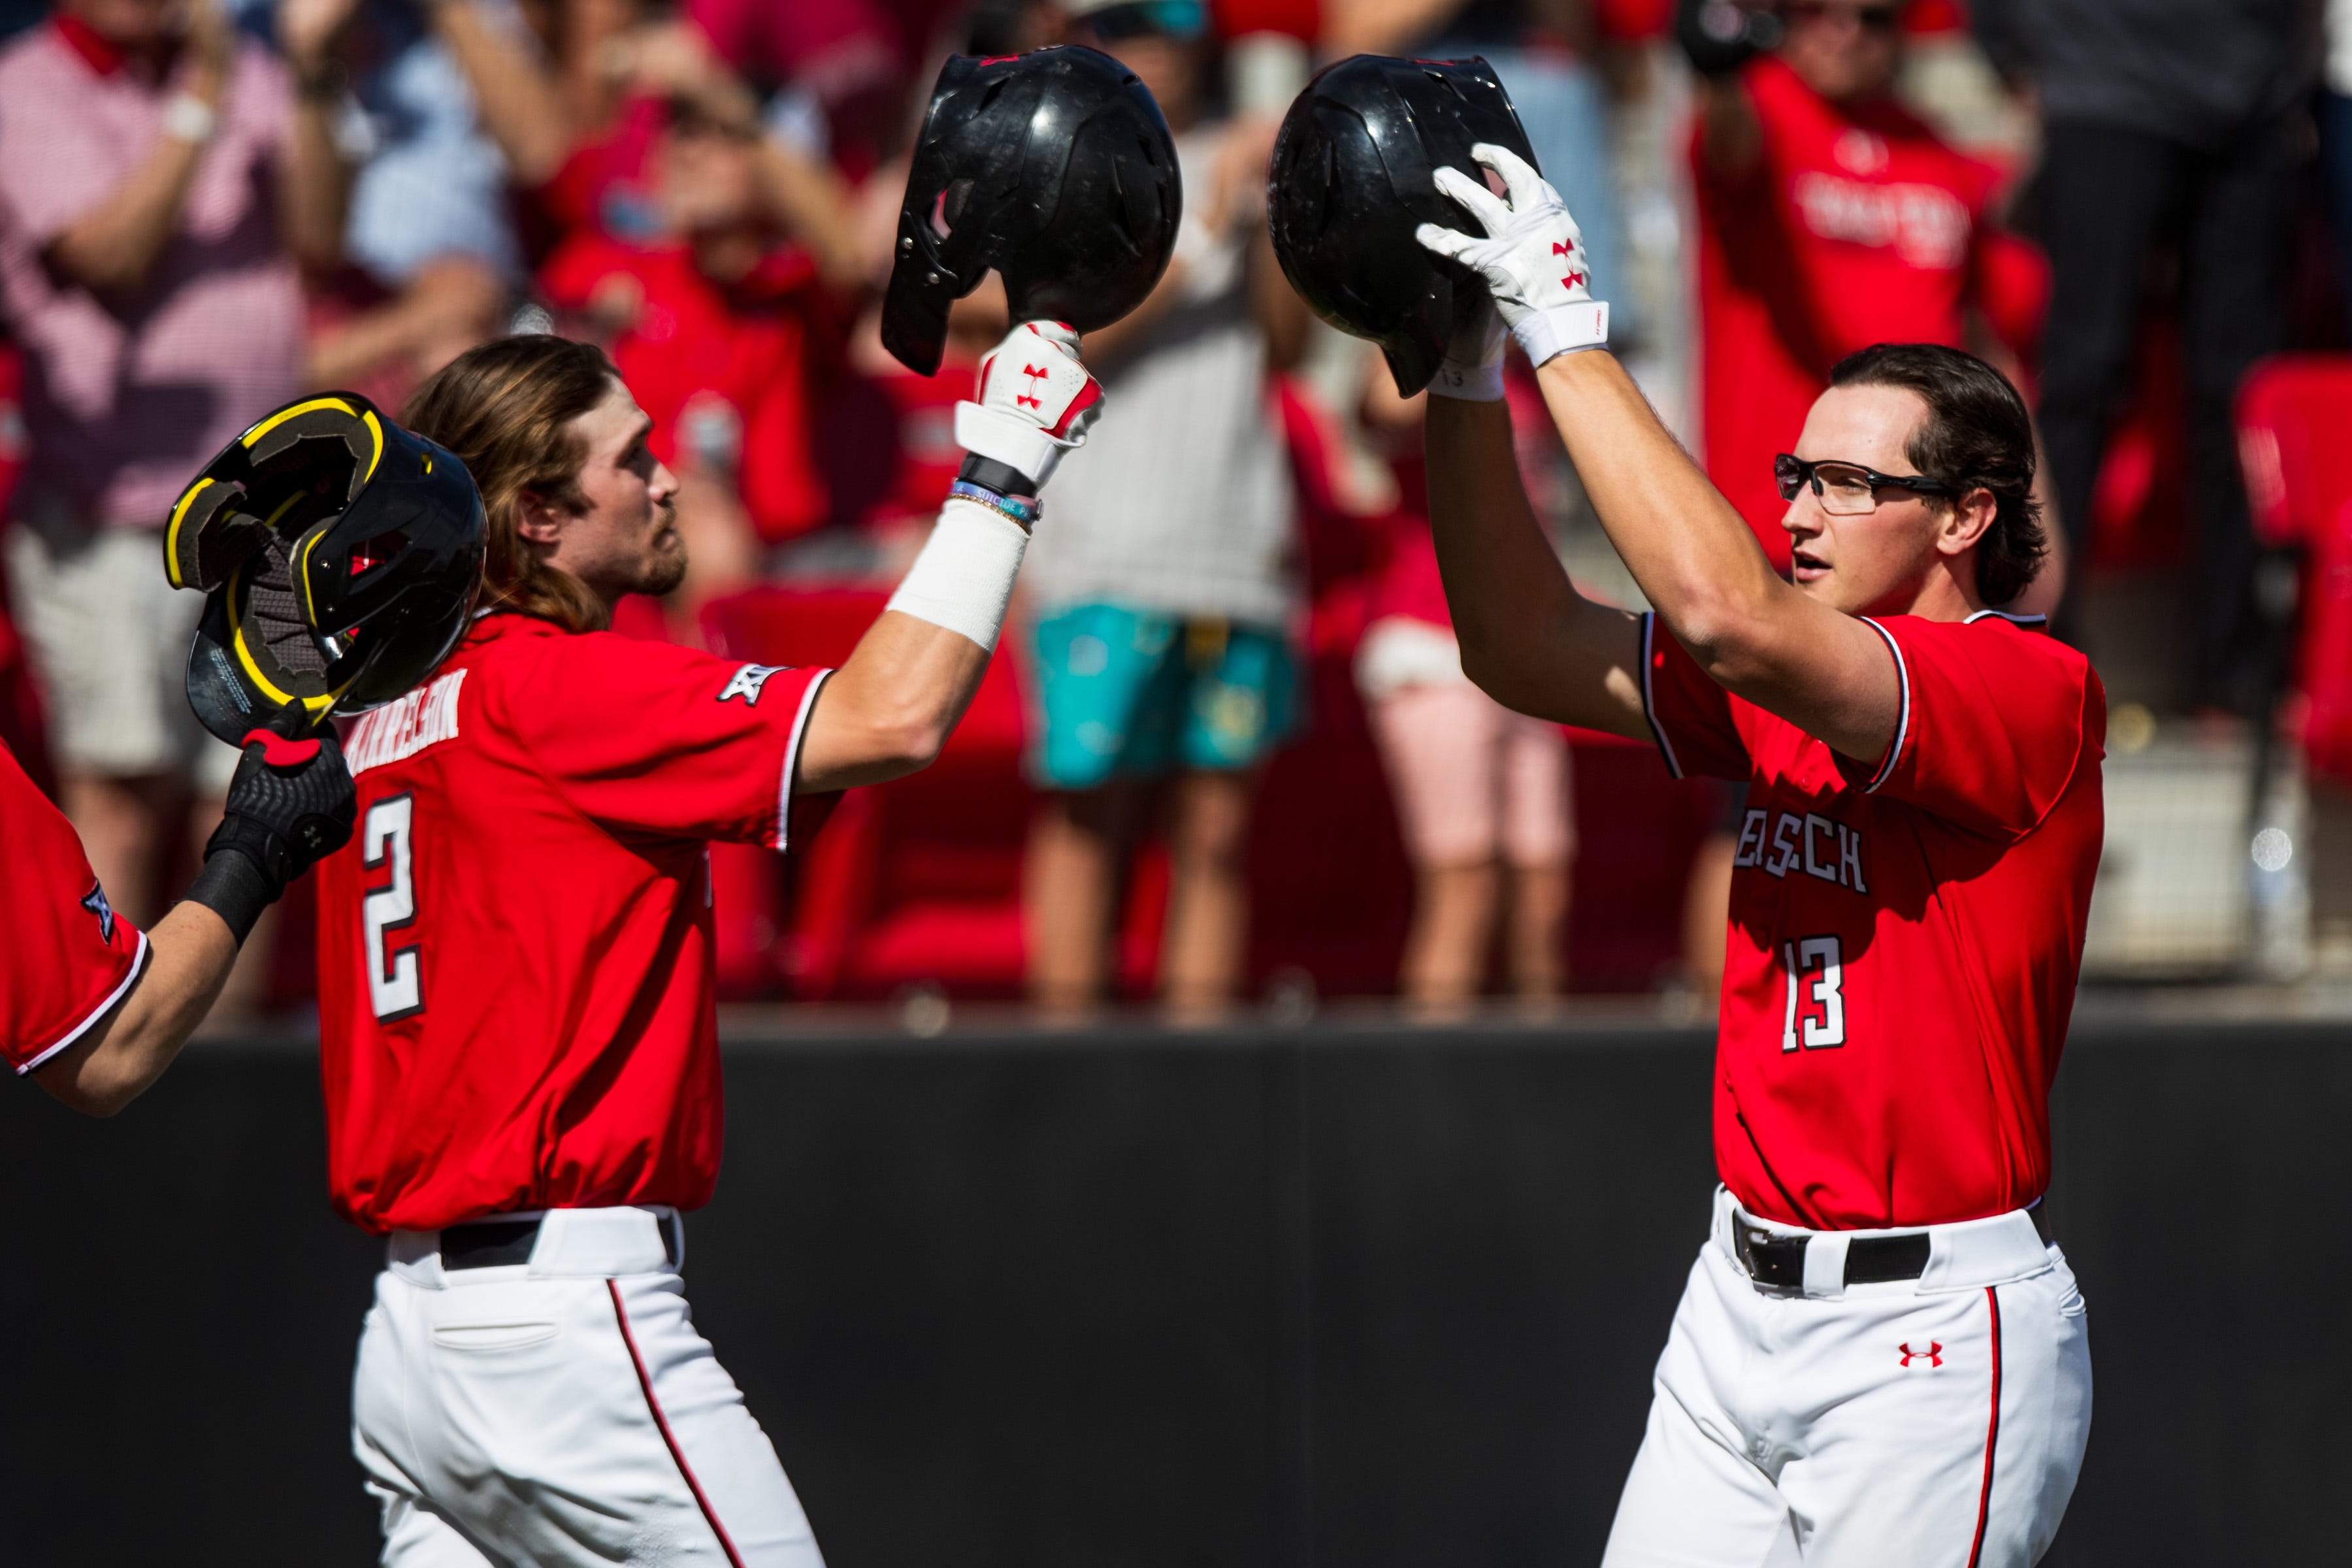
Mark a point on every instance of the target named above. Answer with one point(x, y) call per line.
point(963, 578)
point(1546, 334)
point(1469, 383)
point(1014, 442)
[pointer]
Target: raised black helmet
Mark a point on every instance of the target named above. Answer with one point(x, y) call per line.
point(339, 555)
point(1351, 181)
point(1056, 168)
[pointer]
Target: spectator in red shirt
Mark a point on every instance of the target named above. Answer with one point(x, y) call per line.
point(700, 250)
point(713, 328)
point(1831, 217)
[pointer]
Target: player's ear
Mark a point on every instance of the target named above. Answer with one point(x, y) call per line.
point(1965, 523)
point(537, 519)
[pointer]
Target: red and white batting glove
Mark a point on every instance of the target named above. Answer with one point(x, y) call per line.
point(1036, 401)
point(1532, 255)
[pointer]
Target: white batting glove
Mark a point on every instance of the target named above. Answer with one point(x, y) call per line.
point(1036, 401)
point(1532, 255)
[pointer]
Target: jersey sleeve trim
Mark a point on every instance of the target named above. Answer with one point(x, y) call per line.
point(1648, 708)
point(792, 760)
point(1903, 715)
point(138, 967)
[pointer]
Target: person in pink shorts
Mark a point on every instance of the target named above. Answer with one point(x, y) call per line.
point(1482, 794)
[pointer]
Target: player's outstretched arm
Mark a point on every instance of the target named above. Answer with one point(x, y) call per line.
point(1692, 554)
point(1528, 638)
point(892, 704)
point(290, 802)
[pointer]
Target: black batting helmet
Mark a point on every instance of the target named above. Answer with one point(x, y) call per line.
point(339, 555)
point(1352, 181)
point(1056, 169)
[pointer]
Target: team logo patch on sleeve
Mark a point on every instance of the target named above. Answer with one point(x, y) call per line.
point(748, 681)
point(95, 902)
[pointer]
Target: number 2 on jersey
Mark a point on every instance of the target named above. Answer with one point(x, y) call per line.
point(1816, 968)
point(396, 990)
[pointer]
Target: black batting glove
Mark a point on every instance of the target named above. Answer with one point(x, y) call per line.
point(291, 805)
point(1721, 35)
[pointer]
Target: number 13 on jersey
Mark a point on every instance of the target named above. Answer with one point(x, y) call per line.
point(1816, 1012)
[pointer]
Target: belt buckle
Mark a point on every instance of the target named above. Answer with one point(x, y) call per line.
point(1776, 1264)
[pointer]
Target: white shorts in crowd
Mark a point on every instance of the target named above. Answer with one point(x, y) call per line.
point(1934, 1423)
point(109, 637)
point(562, 1411)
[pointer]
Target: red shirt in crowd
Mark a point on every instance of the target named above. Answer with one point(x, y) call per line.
point(728, 364)
point(68, 957)
point(515, 963)
point(1859, 226)
point(1905, 935)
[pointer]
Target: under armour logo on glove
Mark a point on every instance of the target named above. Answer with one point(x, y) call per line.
point(1574, 251)
point(1026, 418)
point(1531, 258)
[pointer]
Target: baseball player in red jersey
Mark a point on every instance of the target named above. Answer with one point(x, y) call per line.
point(1878, 1358)
point(519, 1050)
point(93, 1008)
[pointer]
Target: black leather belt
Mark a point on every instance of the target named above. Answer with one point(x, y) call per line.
point(1776, 1262)
point(490, 1242)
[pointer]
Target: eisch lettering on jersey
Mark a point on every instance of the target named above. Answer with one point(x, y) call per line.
point(1777, 843)
point(749, 682)
point(406, 726)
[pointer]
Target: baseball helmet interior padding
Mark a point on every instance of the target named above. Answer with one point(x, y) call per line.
point(1056, 170)
point(1352, 178)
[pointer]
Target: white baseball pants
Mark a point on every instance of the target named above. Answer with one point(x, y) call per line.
point(562, 1411)
point(1934, 1422)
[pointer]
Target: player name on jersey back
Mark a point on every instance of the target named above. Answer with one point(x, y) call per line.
point(401, 729)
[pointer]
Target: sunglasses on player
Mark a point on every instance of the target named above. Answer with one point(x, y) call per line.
point(1846, 490)
point(1869, 18)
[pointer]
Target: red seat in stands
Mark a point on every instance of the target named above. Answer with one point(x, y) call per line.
point(2294, 445)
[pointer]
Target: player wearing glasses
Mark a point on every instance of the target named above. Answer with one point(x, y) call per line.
point(1831, 217)
point(1879, 1357)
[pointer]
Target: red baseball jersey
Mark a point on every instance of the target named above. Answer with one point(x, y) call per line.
point(1859, 227)
point(68, 957)
point(1904, 934)
point(697, 353)
point(515, 965)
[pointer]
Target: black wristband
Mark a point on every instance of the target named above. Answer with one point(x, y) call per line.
point(1003, 477)
point(234, 888)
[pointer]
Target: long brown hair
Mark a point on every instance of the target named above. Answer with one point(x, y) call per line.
point(506, 408)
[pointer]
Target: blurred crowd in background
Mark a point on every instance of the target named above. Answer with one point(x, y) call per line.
point(1229, 755)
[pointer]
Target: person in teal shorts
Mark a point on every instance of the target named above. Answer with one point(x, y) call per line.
point(1135, 694)
point(1161, 578)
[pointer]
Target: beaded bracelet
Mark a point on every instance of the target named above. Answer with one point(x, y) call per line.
point(1023, 510)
